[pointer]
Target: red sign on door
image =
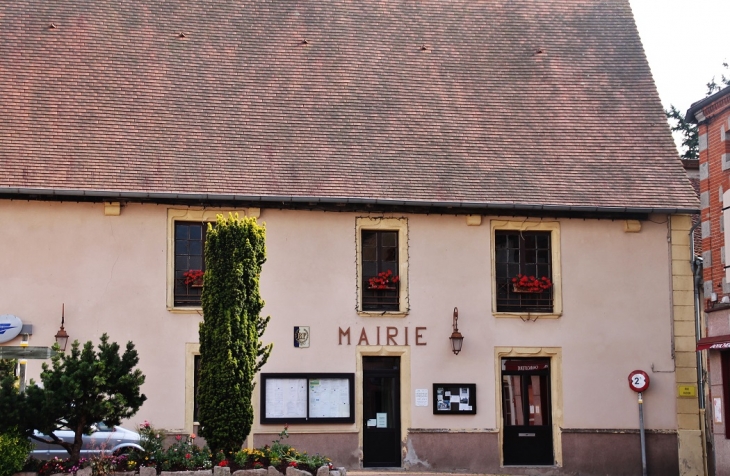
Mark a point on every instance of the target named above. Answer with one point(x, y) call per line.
point(525, 365)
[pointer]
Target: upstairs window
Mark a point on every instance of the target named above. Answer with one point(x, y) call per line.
point(380, 271)
point(382, 266)
point(189, 259)
point(520, 253)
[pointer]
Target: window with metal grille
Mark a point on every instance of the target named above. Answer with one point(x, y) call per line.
point(525, 253)
point(380, 271)
point(189, 245)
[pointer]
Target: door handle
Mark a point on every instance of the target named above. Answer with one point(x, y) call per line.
point(525, 434)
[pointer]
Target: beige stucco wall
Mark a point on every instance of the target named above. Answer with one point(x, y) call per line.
point(110, 271)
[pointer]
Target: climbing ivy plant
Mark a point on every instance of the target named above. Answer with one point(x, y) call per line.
point(231, 351)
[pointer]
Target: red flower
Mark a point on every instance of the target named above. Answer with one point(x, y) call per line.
point(188, 456)
point(223, 463)
point(383, 280)
point(531, 283)
point(293, 464)
point(178, 437)
point(193, 276)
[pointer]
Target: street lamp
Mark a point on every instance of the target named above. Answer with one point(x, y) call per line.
point(456, 338)
point(61, 335)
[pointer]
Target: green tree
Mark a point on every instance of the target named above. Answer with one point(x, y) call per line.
point(79, 390)
point(713, 87)
point(7, 367)
point(687, 130)
point(231, 351)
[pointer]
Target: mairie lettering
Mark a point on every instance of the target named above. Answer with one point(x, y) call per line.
point(388, 336)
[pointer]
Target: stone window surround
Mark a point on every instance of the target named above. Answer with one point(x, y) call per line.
point(191, 214)
point(531, 225)
point(191, 350)
point(382, 223)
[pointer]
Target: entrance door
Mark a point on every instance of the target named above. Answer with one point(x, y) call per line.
point(381, 412)
point(526, 411)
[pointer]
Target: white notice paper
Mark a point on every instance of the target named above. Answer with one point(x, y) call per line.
point(286, 398)
point(329, 398)
point(718, 409)
point(371, 422)
point(382, 420)
point(421, 397)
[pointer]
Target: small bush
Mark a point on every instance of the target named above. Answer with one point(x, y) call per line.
point(104, 464)
point(14, 450)
point(56, 465)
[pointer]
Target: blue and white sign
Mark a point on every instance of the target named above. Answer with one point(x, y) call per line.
point(10, 327)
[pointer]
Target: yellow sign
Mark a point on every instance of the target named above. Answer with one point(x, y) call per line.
point(687, 390)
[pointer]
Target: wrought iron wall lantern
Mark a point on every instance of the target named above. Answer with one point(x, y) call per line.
point(61, 335)
point(456, 338)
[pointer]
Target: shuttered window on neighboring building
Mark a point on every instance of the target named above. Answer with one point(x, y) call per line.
point(189, 247)
point(519, 252)
point(380, 262)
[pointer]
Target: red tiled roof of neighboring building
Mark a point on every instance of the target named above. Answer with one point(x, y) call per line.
point(478, 101)
point(717, 100)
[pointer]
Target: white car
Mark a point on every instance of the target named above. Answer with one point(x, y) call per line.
point(103, 439)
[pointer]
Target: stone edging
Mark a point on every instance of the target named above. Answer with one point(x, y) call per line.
point(217, 471)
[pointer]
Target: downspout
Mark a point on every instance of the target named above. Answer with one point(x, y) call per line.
point(696, 264)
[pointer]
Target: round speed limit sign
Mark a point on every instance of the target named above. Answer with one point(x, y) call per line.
point(638, 381)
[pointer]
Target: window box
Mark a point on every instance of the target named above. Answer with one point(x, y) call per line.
point(526, 290)
point(381, 299)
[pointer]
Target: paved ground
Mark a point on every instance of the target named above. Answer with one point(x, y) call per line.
point(376, 472)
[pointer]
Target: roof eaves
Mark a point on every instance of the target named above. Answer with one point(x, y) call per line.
point(164, 196)
point(694, 113)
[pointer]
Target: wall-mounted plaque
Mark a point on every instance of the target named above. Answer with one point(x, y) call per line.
point(301, 337)
point(454, 398)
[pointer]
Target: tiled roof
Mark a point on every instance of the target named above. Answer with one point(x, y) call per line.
point(482, 101)
point(698, 106)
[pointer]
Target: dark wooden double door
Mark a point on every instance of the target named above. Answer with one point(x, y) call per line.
point(526, 411)
point(381, 412)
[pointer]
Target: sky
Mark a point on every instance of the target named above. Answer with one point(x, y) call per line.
point(686, 42)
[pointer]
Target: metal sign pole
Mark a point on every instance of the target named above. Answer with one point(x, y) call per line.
point(641, 431)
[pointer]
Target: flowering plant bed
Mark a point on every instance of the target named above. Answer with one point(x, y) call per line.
point(279, 455)
point(384, 280)
point(185, 455)
point(530, 284)
point(194, 277)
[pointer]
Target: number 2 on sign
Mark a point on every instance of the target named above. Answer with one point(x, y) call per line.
point(638, 381)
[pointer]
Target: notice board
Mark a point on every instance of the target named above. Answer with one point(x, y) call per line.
point(454, 398)
point(307, 398)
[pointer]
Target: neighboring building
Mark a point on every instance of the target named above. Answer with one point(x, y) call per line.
point(712, 116)
point(455, 144)
point(692, 167)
